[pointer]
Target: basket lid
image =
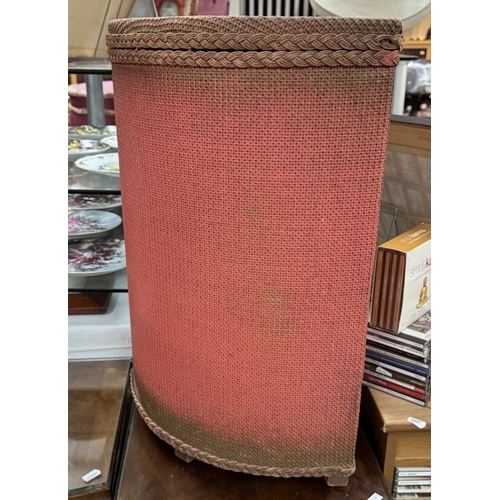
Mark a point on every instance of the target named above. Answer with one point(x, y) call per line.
point(255, 41)
point(254, 24)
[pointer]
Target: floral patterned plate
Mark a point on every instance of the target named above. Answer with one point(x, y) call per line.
point(91, 223)
point(80, 201)
point(77, 148)
point(96, 257)
point(90, 132)
point(111, 141)
point(100, 164)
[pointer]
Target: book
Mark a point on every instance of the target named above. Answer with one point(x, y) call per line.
point(410, 282)
point(416, 335)
point(411, 496)
point(416, 488)
point(414, 481)
point(418, 331)
point(393, 393)
point(384, 286)
point(412, 471)
point(375, 300)
point(390, 369)
point(424, 362)
point(411, 476)
point(397, 294)
point(399, 348)
point(404, 365)
point(394, 387)
point(395, 377)
point(420, 387)
point(391, 288)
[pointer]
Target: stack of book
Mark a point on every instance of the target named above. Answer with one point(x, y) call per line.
point(412, 482)
point(400, 364)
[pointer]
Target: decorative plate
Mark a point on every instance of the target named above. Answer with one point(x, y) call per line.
point(91, 223)
point(78, 148)
point(100, 164)
point(96, 257)
point(90, 132)
point(111, 141)
point(94, 201)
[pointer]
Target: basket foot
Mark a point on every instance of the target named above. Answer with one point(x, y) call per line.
point(183, 456)
point(334, 480)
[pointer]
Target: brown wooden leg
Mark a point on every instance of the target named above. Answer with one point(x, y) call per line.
point(334, 480)
point(183, 456)
point(390, 458)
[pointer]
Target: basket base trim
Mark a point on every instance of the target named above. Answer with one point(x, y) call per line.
point(335, 476)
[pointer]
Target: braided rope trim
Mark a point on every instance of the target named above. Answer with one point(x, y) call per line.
point(264, 59)
point(255, 41)
point(254, 24)
point(257, 470)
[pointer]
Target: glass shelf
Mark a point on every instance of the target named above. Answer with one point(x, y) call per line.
point(83, 182)
point(99, 406)
point(112, 282)
point(89, 66)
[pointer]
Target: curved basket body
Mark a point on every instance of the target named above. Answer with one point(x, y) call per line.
point(251, 162)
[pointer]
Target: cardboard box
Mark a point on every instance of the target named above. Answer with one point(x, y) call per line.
point(402, 280)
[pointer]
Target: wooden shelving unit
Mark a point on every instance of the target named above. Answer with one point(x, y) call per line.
point(395, 441)
point(419, 48)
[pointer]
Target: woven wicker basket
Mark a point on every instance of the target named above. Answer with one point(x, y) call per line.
point(251, 157)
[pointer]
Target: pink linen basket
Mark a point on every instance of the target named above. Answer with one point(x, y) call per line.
point(251, 162)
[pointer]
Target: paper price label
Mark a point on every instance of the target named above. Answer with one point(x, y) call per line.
point(376, 496)
point(415, 421)
point(91, 475)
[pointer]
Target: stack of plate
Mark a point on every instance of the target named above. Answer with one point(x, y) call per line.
point(90, 253)
point(79, 148)
point(90, 132)
point(106, 164)
point(95, 257)
point(91, 223)
point(91, 201)
point(111, 141)
point(92, 250)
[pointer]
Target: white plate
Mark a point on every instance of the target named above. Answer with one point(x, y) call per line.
point(111, 141)
point(82, 201)
point(78, 148)
point(91, 223)
point(96, 257)
point(89, 132)
point(100, 164)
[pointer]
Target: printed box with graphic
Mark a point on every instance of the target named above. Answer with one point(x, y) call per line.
point(402, 280)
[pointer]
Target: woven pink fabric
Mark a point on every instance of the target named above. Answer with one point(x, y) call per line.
point(250, 206)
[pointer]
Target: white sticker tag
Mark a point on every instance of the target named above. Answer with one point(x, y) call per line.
point(91, 475)
point(376, 496)
point(379, 369)
point(415, 421)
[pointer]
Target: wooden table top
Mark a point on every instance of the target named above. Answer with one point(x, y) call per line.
point(393, 412)
point(151, 471)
